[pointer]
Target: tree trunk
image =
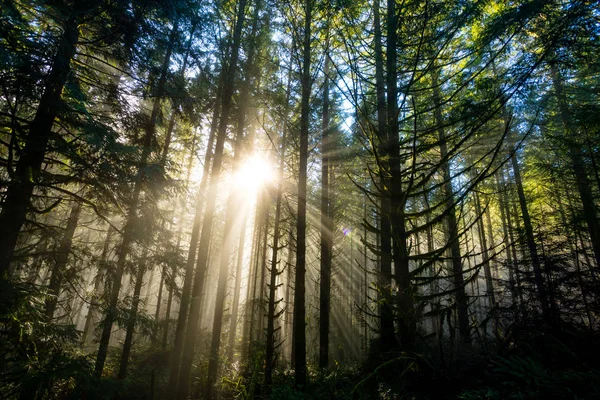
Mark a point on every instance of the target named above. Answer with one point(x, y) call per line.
point(251, 288)
point(387, 336)
point(168, 316)
point(139, 278)
point(189, 343)
point(590, 212)
point(326, 230)
point(128, 231)
point(95, 295)
point(288, 289)
point(184, 304)
point(19, 192)
point(158, 304)
point(529, 237)
point(271, 315)
point(263, 267)
point(62, 256)
point(405, 295)
point(452, 235)
point(507, 240)
point(485, 255)
point(236, 293)
point(300, 279)
point(232, 211)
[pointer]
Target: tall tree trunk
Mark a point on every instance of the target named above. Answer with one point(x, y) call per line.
point(139, 278)
point(326, 229)
point(129, 229)
point(188, 278)
point(584, 188)
point(271, 315)
point(189, 343)
point(232, 211)
point(452, 235)
point(574, 250)
point(236, 292)
point(485, 255)
point(263, 267)
point(89, 320)
point(19, 191)
point(387, 336)
point(406, 315)
point(529, 236)
point(288, 289)
point(251, 288)
point(161, 285)
point(60, 264)
point(300, 279)
point(165, 336)
point(507, 240)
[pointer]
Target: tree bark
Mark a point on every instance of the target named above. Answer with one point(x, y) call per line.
point(387, 336)
point(326, 230)
point(300, 279)
point(274, 272)
point(405, 295)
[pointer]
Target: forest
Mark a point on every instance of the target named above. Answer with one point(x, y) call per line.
point(300, 199)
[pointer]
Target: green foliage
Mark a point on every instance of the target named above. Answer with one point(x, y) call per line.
point(541, 367)
point(37, 354)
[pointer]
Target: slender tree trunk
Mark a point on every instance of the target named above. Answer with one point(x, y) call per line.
point(236, 293)
point(405, 295)
point(300, 281)
point(139, 278)
point(452, 235)
point(165, 336)
point(485, 255)
point(387, 336)
point(62, 256)
point(186, 290)
point(274, 272)
point(590, 212)
point(232, 211)
point(573, 249)
point(19, 191)
point(207, 226)
point(290, 242)
point(507, 240)
point(259, 267)
point(89, 321)
point(263, 268)
point(158, 304)
point(288, 289)
point(251, 288)
point(513, 242)
point(326, 230)
point(529, 236)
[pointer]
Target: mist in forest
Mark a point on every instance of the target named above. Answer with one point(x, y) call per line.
point(256, 199)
